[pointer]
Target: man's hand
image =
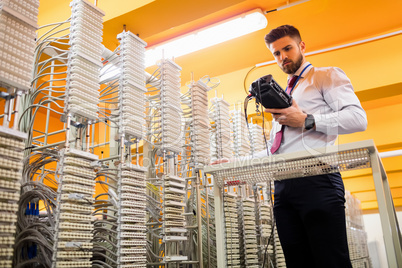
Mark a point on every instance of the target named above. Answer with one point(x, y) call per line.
point(292, 116)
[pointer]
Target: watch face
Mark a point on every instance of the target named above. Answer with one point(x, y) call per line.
point(310, 122)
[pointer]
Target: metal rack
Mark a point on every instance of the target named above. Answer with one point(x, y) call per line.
point(344, 157)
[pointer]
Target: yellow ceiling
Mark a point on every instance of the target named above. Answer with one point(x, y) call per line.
point(323, 24)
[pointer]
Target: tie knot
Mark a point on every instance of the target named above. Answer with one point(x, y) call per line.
point(291, 82)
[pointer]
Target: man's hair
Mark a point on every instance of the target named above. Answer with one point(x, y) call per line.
point(282, 31)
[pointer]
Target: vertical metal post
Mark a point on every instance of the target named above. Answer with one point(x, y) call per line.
point(48, 105)
point(88, 137)
point(199, 218)
point(387, 213)
point(207, 218)
point(122, 149)
point(67, 143)
point(17, 108)
point(219, 225)
point(7, 107)
point(164, 165)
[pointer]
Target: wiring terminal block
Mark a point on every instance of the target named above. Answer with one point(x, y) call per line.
point(74, 221)
point(18, 25)
point(11, 156)
point(131, 246)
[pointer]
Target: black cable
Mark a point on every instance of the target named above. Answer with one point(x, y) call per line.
point(263, 116)
point(245, 79)
point(263, 132)
point(272, 226)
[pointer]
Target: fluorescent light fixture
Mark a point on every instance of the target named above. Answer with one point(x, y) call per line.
point(218, 33)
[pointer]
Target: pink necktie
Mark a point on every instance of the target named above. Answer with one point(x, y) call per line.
point(278, 136)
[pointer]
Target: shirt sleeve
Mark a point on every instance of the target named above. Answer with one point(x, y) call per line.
point(346, 114)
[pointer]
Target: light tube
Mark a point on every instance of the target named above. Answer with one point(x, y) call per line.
point(221, 32)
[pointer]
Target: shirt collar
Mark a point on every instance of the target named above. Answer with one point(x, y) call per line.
point(301, 69)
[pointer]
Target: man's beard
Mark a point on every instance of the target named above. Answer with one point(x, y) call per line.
point(293, 66)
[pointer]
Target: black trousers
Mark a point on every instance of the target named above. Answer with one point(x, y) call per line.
point(310, 219)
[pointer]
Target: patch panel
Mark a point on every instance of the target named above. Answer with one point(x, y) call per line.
point(127, 219)
point(175, 230)
point(173, 217)
point(9, 196)
point(75, 226)
point(75, 217)
point(7, 240)
point(77, 197)
point(75, 236)
point(10, 207)
point(8, 185)
point(174, 210)
point(7, 217)
point(69, 160)
point(133, 211)
point(133, 203)
point(174, 223)
point(132, 227)
point(130, 243)
point(132, 235)
point(79, 171)
point(78, 180)
point(132, 189)
point(80, 209)
point(6, 264)
point(7, 229)
point(12, 143)
point(133, 259)
point(133, 266)
point(142, 251)
point(133, 196)
point(74, 254)
point(174, 238)
point(78, 189)
point(175, 178)
point(12, 164)
point(73, 264)
point(5, 152)
point(133, 182)
point(179, 198)
point(174, 203)
point(74, 245)
point(4, 252)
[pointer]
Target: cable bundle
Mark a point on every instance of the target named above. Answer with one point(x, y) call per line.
point(36, 222)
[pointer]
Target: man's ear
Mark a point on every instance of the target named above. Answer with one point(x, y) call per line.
point(302, 46)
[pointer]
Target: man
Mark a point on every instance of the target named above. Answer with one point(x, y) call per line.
point(310, 211)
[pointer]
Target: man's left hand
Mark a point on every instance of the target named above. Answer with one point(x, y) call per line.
point(292, 116)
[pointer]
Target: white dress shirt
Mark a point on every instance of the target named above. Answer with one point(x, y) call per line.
point(327, 94)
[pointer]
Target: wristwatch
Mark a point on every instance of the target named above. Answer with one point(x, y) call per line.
point(309, 123)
